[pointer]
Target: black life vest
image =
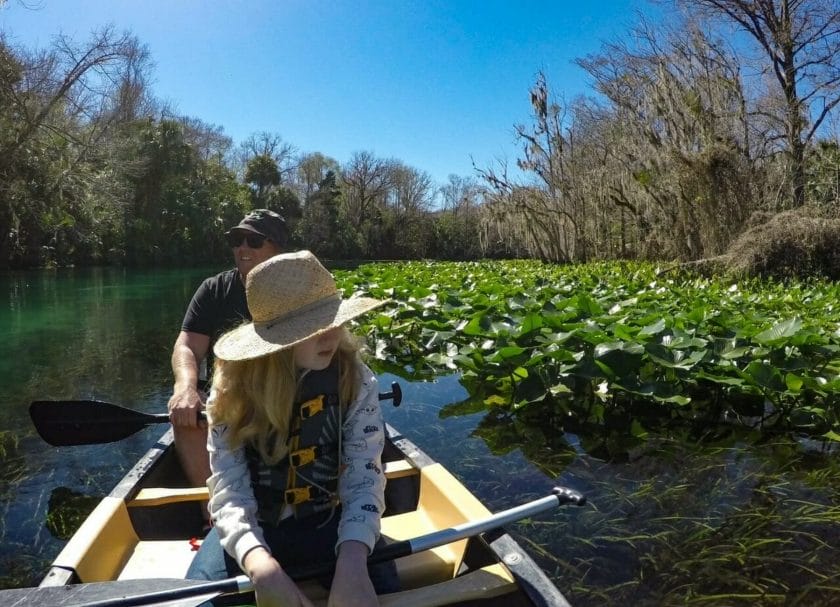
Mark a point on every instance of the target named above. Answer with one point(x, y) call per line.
point(307, 478)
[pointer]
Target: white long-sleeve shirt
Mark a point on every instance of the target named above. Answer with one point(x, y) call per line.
point(361, 485)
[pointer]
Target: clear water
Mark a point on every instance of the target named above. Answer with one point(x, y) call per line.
point(678, 517)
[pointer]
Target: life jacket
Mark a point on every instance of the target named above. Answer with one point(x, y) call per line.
point(307, 478)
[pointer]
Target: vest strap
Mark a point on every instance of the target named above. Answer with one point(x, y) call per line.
point(316, 405)
point(301, 457)
point(298, 495)
point(312, 407)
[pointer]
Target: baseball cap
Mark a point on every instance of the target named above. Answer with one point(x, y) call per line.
point(266, 223)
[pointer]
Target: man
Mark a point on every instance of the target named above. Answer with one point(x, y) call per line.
point(218, 305)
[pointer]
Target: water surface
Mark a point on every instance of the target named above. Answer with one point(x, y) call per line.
point(679, 516)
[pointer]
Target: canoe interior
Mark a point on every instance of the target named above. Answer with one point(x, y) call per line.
point(147, 528)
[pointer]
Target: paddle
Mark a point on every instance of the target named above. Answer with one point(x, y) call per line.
point(127, 594)
point(64, 423)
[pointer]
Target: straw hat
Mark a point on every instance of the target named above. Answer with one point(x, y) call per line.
point(291, 297)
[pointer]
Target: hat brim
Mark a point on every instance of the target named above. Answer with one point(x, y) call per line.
point(254, 340)
point(245, 228)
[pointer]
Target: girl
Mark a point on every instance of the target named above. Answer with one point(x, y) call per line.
point(295, 441)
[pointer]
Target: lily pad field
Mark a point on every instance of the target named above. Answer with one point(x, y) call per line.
point(701, 417)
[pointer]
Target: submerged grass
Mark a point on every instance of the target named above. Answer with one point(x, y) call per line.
point(706, 523)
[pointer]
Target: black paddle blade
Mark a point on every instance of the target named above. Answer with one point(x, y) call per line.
point(87, 422)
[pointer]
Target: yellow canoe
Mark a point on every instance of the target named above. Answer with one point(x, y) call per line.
point(146, 529)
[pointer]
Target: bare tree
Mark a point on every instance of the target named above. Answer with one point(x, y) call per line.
point(81, 80)
point(208, 140)
point(366, 181)
point(58, 106)
point(682, 142)
point(312, 170)
point(460, 194)
point(800, 40)
point(547, 220)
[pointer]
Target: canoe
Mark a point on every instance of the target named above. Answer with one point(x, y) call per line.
point(147, 528)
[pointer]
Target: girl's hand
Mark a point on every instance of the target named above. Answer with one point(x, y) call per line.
point(272, 586)
point(351, 586)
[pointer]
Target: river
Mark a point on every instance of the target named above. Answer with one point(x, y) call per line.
point(711, 516)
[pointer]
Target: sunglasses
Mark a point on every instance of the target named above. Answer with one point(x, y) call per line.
point(255, 241)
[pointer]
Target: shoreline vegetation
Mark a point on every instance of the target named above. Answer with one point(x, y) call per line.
point(685, 151)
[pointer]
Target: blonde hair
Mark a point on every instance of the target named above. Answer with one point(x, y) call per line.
point(254, 398)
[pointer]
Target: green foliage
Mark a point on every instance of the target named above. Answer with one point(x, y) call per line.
point(598, 341)
point(262, 172)
point(181, 204)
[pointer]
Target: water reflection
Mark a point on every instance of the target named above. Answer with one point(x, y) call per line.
point(721, 516)
point(71, 334)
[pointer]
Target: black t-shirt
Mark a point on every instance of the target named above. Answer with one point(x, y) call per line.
point(218, 305)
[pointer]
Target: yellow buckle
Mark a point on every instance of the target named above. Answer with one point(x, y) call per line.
point(301, 457)
point(312, 407)
point(297, 495)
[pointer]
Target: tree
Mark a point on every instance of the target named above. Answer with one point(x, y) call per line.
point(406, 233)
point(271, 146)
point(456, 234)
point(60, 111)
point(676, 142)
point(800, 40)
point(312, 170)
point(320, 229)
point(207, 140)
point(543, 216)
point(366, 182)
point(262, 173)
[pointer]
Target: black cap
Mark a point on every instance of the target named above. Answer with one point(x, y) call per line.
point(265, 223)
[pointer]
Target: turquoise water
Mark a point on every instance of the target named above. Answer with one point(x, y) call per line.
point(75, 334)
point(680, 516)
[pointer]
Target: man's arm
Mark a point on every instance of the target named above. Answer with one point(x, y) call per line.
point(189, 350)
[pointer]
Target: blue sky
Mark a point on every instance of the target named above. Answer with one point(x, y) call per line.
point(431, 83)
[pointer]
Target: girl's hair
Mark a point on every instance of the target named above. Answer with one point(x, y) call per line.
point(254, 398)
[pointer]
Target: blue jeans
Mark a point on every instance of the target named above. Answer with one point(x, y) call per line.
point(292, 542)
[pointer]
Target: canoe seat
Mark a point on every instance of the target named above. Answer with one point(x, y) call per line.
point(416, 569)
point(158, 559)
point(158, 496)
point(444, 502)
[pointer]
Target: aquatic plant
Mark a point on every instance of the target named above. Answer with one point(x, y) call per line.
point(613, 340)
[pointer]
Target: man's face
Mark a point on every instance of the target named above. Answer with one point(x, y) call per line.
point(251, 250)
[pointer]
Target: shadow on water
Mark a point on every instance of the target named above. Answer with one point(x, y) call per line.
point(66, 510)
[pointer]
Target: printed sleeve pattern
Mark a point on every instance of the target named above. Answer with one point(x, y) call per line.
point(361, 486)
point(232, 505)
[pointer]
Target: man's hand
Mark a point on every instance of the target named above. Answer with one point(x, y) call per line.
point(187, 400)
point(351, 586)
point(184, 406)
